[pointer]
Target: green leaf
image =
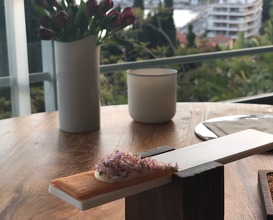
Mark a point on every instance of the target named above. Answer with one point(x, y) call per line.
point(80, 18)
point(36, 11)
point(117, 41)
point(64, 4)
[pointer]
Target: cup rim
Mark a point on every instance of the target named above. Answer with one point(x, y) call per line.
point(152, 72)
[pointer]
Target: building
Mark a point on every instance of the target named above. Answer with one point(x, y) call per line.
point(199, 21)
point(229, 17)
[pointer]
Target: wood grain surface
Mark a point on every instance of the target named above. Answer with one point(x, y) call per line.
point(34, 151)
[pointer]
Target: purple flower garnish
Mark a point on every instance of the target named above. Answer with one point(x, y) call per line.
point(119, 165)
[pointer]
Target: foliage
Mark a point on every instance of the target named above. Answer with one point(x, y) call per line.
point(268, 29)
point(114, 85)
point(37, 98)
point(168, 3)
point(138, 4)
point(5, 108)
point(240, 41)
point(114, 88)
point(67, 21)
point(157, 29)
point(218, 79)
point(191, 36)
point(37, 101)
point(226, 79)
point(266, 10)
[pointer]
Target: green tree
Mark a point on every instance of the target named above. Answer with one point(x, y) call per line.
point(191, 37)
point(168, 3)
point(37, 98)
point(138, 4)
point(266, 10)
point(5, 106)
point(240, 41)
point(268, 29)
point(158, 30)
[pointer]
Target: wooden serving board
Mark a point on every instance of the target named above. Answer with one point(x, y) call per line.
point(265, 193)
point(223, 150)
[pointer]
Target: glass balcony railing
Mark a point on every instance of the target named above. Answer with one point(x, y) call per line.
point(48, 78)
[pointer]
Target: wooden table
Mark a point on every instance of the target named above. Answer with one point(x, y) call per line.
point(34, 151)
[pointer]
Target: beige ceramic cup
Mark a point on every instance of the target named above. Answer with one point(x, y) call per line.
point(152, 94)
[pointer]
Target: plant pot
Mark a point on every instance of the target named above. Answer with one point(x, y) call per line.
point(77, 68)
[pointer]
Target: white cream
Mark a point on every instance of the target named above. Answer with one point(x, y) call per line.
point(104, 178)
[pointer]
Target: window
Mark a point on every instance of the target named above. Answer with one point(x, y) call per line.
point(5, 99)
point(16, 57)
point(21, 60)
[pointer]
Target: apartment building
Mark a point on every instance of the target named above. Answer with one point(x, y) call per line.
point(229, 17)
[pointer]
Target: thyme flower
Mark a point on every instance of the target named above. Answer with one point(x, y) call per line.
point(120, 165)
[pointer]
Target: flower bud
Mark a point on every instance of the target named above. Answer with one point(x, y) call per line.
point(45, 21)
point(105, 6)
point(128, 17)
point(92, 7)
point(46, 34)
point(62, 19)
point(116, 18)
point(113, 13)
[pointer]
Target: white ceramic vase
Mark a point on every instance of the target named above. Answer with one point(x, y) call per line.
point(78, 85)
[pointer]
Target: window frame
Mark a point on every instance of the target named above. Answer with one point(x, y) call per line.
point(17, 57)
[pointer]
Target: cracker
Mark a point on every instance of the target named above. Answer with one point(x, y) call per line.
point(84, 185)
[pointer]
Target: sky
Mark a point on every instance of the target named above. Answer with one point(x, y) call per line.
point(181, 16)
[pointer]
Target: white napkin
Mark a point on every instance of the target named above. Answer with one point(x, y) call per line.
point(222, 128)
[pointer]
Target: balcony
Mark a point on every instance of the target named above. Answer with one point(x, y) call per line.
point(20, 80)
point(239, 5)
point(235, 9)
point(48, 78)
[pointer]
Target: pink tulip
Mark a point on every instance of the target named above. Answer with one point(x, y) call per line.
point(128, 17)
point(92, 7)
point(105, 6)
point(62, 19)
point(45, 21)
point(46, 34)
point(65, 20)
point(116, 18)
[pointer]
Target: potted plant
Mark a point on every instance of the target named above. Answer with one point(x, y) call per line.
point(78, 30)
